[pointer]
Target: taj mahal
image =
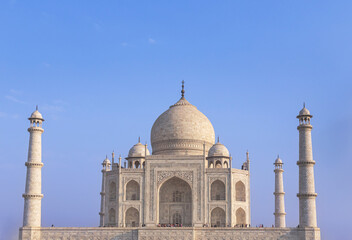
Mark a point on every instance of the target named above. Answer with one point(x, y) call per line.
point(184, 188)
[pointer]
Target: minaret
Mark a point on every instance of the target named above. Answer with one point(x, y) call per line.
point(306, 195)
point(280, 219)
point(33, 193)
point(106, 167)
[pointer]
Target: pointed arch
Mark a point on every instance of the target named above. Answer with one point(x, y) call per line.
point(136, 164)
point(132, 217)
point(132, 190)
point(112, 191)
point(226, 165)
point(240, 191)
point(240, 216)
point(218, 191)
point(175, 202)
point(112, 216)
point(218, 164)
point(218, 217)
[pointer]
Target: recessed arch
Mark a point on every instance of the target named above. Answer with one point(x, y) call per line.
point(217, 191)
point(240, 191)
point(132, 217)
point(112, 216)
point(240, 216)
point(132, 190)
point(218, 217)
point(175, 202)
point(112, 191)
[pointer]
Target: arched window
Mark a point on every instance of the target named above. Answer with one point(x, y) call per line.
point(143, 164)
point(176, 218)
point(240, 216)
point(132, 190)
point(218, 217)
point(218, 164)
point(211, 165)
point(240, 191)
point(177, 196)
point(136, 164)
point(132, 217)
point(112, 191)
point(218, 191)
point(112, 218)
point(226, 165)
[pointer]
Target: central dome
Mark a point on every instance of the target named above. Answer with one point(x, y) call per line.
point(182, 130)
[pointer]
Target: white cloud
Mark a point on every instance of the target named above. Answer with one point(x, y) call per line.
point(14, 99)
point(16, 92)
point(151, 40)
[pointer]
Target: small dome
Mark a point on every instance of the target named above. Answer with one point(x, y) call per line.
point(218, 149)
point(106, 161)
point(138, 150)
point(304, 111)
point(278, 160)
point(36, 115)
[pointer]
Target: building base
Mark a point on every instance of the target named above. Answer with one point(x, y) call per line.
point(151, 233)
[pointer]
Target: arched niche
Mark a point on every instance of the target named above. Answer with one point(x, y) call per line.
point(132, 217)
point(112, 191)
point(112, 216)
point(240, 216)
point(175, 202)
point(217, 191)
point(240, 191)
point(132, 191)
point(218, 217)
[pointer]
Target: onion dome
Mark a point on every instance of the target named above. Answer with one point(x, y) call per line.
point(36, 115)
point(182, 130)
point(278, 160)
point(106, 161)
point(218, 150)
point(304, 112)
point(138, 150)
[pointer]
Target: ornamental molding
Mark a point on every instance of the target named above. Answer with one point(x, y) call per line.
point(26, 195)
point(32, 164)
point(213, 179)
point(128, 179)
point(180, 144)
point(307, 195)
point(312, 162)
point(213, 206)
point(163, 176)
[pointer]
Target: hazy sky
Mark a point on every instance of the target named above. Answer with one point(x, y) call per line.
point(103, 71)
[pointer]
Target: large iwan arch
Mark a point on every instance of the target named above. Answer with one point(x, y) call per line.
point(175, 202)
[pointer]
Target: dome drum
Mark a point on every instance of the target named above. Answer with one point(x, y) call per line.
point(181, 147)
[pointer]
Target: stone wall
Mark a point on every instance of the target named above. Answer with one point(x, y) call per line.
point(107, 233)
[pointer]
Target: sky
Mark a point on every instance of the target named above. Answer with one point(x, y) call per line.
point(103, 71)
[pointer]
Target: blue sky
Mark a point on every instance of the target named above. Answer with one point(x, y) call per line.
point(103, 71)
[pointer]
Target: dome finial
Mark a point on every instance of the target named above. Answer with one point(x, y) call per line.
point(36, 107)
point(139, 139)
point(183, 89)
point(304, 104)
point(218, 139)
